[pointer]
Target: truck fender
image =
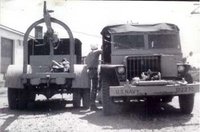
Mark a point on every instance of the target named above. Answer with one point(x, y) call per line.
point(81, 77)
point(13, 77)
point(108, 72)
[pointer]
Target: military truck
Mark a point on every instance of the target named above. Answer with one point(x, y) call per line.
point(43, 71)
point(144, 63)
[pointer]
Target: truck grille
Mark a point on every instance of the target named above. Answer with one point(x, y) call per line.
point(138, 64)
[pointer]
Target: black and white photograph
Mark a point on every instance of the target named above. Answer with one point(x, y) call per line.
point(99, 66)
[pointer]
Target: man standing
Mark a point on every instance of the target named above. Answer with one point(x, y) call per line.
point(92, 61)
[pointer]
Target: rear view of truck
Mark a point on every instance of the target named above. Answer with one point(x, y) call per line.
point(52, 65)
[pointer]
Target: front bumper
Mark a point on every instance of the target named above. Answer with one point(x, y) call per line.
point(132, 90)
point(48, 77)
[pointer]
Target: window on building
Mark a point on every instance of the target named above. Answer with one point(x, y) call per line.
point(6, 53)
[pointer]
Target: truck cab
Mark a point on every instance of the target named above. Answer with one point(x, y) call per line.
point(144, 62)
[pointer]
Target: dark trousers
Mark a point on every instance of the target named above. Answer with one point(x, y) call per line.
point(93, 85)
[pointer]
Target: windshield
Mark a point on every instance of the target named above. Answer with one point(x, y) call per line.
point(128, 41)
point(163, 41)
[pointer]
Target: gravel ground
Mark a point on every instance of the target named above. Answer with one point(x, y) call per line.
point(53, 116)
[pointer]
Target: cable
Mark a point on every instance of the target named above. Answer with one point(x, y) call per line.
point(87, 34)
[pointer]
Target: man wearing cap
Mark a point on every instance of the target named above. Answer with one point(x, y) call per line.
point(92, 61)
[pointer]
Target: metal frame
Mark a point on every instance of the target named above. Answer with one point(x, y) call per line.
point(25, 42)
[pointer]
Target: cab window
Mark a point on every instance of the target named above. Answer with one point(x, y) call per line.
point(128, 41)
point(163, 41)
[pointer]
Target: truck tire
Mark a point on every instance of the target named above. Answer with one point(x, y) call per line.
point(186, 103)
point(12, 98)
point(77, 98)
point(86, 98)
point(17, 98)
point(109, 107)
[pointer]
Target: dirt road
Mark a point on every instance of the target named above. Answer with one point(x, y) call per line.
point(51, 116)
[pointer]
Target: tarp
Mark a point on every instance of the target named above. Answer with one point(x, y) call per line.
point(140, 28)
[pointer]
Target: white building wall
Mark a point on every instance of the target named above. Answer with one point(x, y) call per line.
point(17, 38)
point(18, 52)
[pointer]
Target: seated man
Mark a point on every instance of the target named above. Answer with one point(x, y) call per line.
point(62, 66)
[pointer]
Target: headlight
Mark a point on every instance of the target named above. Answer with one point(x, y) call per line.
point(181, 68)
point(121, 70)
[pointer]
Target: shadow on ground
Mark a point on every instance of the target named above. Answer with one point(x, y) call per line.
point(44, 107)
point(41, 107)
point(139, 116)
point(134, 116)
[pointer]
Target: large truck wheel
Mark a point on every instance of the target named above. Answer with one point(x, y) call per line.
point(76, 98)
point(12, 98)
point(186, 103)
point(17, 98)
point(86, 98)
point(109, 107)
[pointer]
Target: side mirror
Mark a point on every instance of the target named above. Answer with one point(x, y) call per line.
point(191, 53)
point(186, 58)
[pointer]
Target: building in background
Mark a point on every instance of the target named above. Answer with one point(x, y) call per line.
point(11, 48)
